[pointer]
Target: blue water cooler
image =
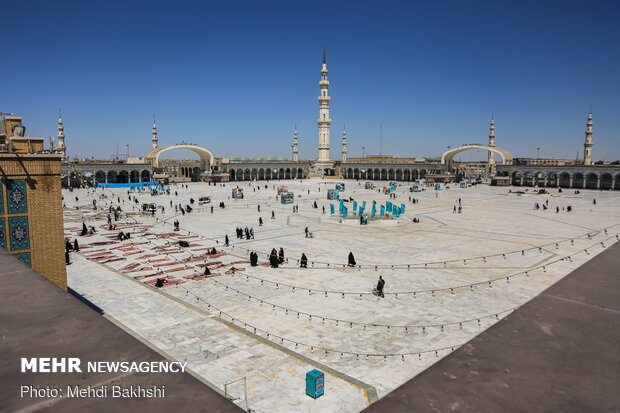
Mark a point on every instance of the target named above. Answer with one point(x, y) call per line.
point(315, 383)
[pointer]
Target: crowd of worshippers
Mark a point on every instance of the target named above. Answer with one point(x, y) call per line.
point(545, 205)
point(247, 233)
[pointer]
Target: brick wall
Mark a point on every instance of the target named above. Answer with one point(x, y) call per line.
point(31, 220)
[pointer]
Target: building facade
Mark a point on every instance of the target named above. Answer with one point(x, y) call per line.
point(31, 220)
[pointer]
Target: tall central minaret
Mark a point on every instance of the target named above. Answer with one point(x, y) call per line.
point(491, 160)
point(61, 136)
point(344, 144)
point(154, 139)
point(295, 146)
point(587, 146)
point(324, 120)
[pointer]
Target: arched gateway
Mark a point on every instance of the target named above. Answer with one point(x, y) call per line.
point(206, 157)
point(446, 158)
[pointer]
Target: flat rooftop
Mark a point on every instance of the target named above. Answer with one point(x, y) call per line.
point(38, 319)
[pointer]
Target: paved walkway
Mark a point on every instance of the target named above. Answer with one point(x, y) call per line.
point(215, 351)
point(558, 353)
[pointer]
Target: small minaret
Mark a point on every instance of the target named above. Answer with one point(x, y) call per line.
point(154, 139)
point(344, 144)
point(491, 160)
point(324, 120)
point(295, 146)
point(587, 146)
point(61, 135)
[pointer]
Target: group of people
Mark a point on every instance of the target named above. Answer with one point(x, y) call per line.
point(123, 236)
point(253, 259)
point(70, 246)
point(276, 258)
point(569, 208)
point(86, 230)
point(248, 233)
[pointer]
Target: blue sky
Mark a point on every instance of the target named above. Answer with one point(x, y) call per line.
point(236, 76)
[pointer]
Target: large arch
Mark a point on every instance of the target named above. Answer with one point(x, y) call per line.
point(145, 176)
point(578, 180)
point(206, 157)
point(446, 158)
point(592, 181)
point(606, 181)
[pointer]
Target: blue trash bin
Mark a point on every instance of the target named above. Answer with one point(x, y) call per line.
point(315, 383)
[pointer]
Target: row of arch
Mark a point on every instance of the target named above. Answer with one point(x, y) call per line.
point(248, 174)
point(123, 176)
point(387, 174)
point(188, 171)
point(576, 180)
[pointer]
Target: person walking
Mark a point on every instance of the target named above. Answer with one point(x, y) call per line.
point(306, 230)
point(303, 262)
point(281, 256)
point(226, 242)
point(352, 262)
point(380, 285)
point(76, 246)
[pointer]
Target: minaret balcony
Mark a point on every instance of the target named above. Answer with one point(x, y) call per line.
point(324, 120)
point(324, 83)
point(325, 98)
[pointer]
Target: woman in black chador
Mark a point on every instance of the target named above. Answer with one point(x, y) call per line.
point(253, 259)
point(351, 260)
point(273, 258)
point(281, 256)
point(303, 262)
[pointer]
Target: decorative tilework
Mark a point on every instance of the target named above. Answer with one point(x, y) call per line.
point(18, 231)
point(24, 257)
point(16, 196)
point(1, 199)
point(2, 234)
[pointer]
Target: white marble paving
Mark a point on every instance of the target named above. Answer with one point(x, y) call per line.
point(493, 222)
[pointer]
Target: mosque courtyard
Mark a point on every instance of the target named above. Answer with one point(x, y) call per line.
point(254, 332)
